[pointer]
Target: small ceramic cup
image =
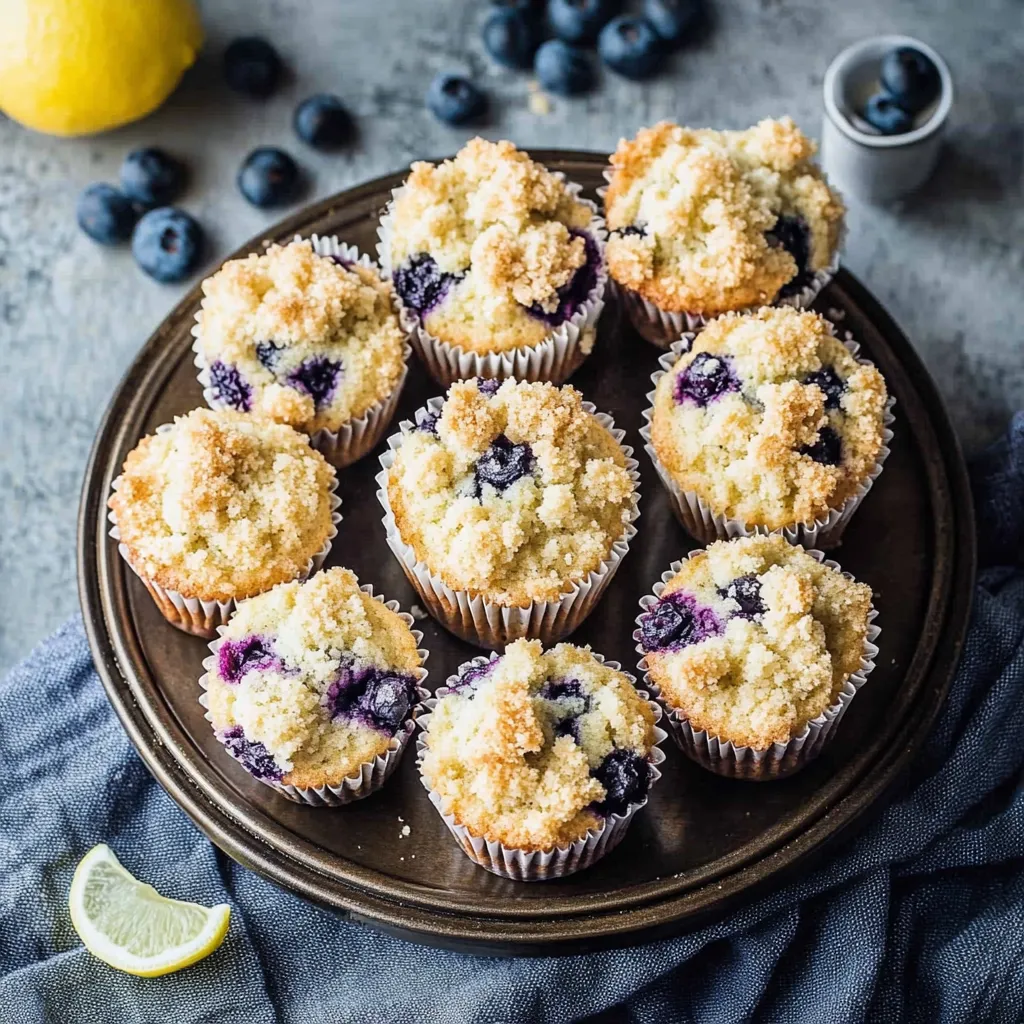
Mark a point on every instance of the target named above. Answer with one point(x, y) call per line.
point(874, 167)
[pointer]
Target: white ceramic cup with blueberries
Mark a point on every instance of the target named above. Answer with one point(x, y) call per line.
point(887, 101)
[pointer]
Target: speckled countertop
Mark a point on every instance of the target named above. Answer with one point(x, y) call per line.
point(948, 263)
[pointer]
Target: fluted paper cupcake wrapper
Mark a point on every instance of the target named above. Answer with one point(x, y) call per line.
point(354, 439)
point(371, 775)
point(486, 623)
point(195, 615)
point(705, 525)
point(538, 865)
point(723, 757)
point(558, 356)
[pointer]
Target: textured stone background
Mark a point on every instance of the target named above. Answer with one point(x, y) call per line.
point(947, 264)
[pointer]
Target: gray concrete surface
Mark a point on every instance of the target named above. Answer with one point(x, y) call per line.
point(947, 263)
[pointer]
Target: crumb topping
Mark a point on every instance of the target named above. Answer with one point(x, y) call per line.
point(775, 666)
point(700, 206)
point(223, 505)
point(515, 496)
point(517, 758)
point(794, 435)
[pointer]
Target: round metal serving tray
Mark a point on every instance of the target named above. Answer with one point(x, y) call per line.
point(703, 843)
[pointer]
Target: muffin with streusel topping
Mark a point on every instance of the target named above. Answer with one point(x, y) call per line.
point(756, 649)
point(312, 686)
point(499, 262)
point(306, 339)
point(220, 506)
point(510, 507)
point(768, 423)
point(538, 759)
point(704, 222)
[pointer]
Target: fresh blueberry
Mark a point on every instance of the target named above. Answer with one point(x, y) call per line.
point(883, 112)
point(252, 67)
point(792, 235)
point(574, 293)
point(229, 387)
point(251, 755)
point(675, 622)
point(746, 592)
point(236, 657)
point(268, 353)
point(510, 37)
point(910, 77)
point(563, 69)
point(673, 20)
point(421, 284)
point(488, 386)
point(427, 421)
point(377, 697)
point(317, 377)
point(454, 99)
point(579, 21)
point(831, 384)
point(105, 215)
point(626, 777)
point(828, 449)
point(268, 177)
point(151, 177)
point(322, 121)
point(704, 379)
point(503, 463)
point(631, 47)
point(388, 700)
point(167, 244)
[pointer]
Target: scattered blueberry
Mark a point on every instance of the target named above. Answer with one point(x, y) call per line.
point(882, 112)
point(676, 621)
point(388, 700)
point(268, 353)
point(252, 67)
point(151, 177)
point(377, 697)
point(830, 383)
point(253, 756)
point(673, 20)
point(317, 377)
point(704, 379)
point(454, 99)
point(503, 463)
point(268, 177)
point(626, 777)
point(488, 386)
point(510, 37)
point(105, 215)
point(792, 234)
point(563, 69)
point(229, 387)
point(910, 77)
point(322, 121)
point(746, 592)
point(574, 293)
point(427, 421)
point(236, 657)
point(167, 244)
point(564, 690)
point(579, 21)
point(631, 47)
point(421, 284)
point(828, 449)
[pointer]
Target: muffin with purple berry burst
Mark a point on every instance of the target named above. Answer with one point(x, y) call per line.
point(537, 760)
point(498, 262)
point(306, 339)
point(767, 423)
point(313, 688)
point(756, 647)
point(510, 508)
point(703, 222)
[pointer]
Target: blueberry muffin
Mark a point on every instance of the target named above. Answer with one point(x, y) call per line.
point(539, 748)
point(312, 681)
point(704, 222)
point(751, 640)
point(768, 421)
point(221, 506)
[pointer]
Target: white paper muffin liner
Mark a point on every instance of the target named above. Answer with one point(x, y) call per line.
point(705, 525)
point(723, 757)
point(371, 775)
point(538, 865)
point(195, 615)
point(486, 623)
point(354, 439)
point(558, 356)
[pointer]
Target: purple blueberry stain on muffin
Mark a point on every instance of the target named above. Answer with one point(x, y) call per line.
point(470, 679)
point(268, 353)
point(504, 463)
point(677, 621)
point(421, 284)
point(704, 379)
point(827, 449)
point(342, 261)
point(378, 698)
point(236, 657)
point(317, 377)
point(229, 387)
point(831, 384)
point(488, 386)
point(792, 235)
point(746, 592)
point(426, 422)
point(626, 777)
point(251, 755)
point(573, 294)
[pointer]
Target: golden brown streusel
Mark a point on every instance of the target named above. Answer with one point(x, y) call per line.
point(223, 505)
point(534, 539)
point(763, 678)
point(745, 452)
point(705, 199)
point(493, 755)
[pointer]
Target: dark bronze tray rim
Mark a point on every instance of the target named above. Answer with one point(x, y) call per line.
point(435, 915)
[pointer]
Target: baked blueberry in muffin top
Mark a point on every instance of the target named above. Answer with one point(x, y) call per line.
point(540, 747)
point(768, 418)
point(312, 680)
point(490, 250)
point(708, 221)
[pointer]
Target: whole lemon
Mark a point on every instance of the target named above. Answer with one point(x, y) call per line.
point(73, 67)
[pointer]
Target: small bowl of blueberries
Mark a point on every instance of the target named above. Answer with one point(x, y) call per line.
point(887, 101)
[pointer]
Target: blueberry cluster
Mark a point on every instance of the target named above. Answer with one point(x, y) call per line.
point(909, 82)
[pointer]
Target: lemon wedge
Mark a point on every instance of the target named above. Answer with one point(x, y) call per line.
point(130, 926)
